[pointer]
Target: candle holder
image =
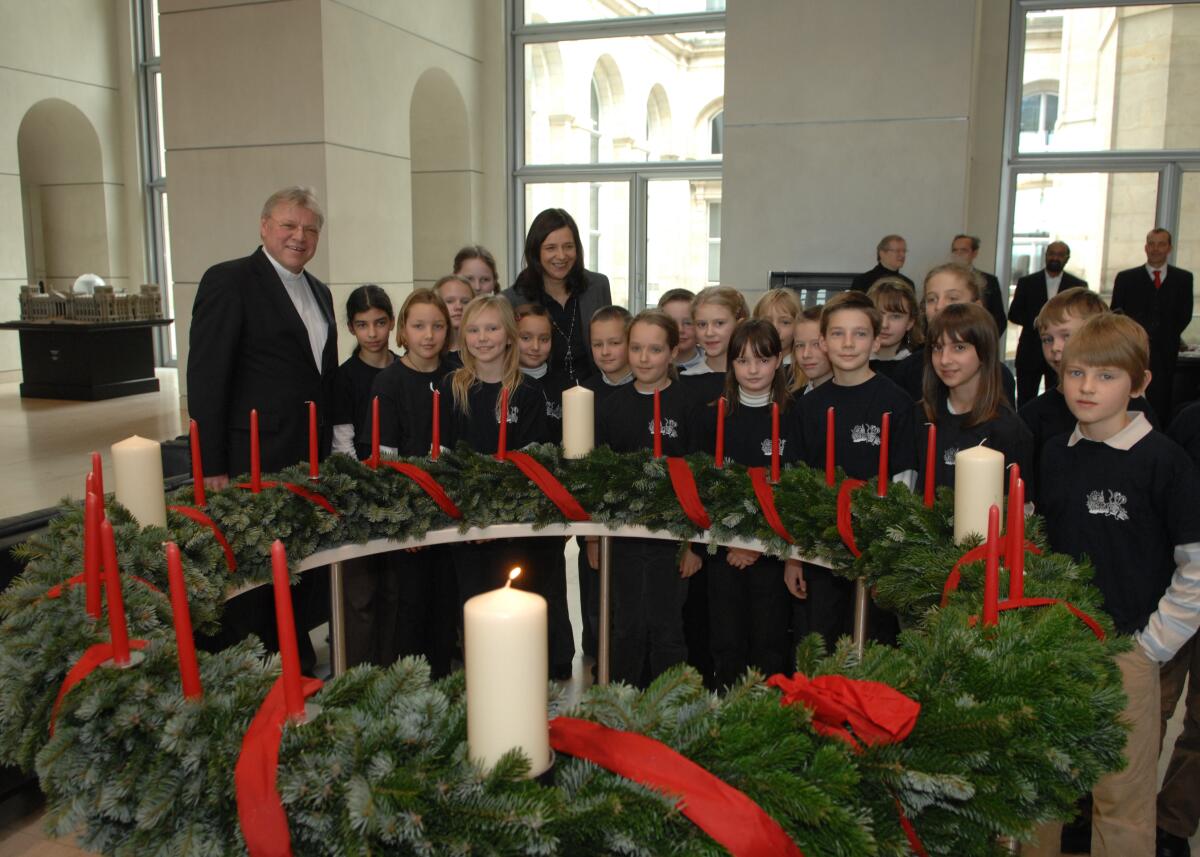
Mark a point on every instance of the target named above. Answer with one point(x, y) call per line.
point(546, 777)
point(311, 710)
point(135, 658)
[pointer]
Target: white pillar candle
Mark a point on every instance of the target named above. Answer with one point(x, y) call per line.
point(978, 485)
point(504, 654)
point(579, 428)
point(137, 463)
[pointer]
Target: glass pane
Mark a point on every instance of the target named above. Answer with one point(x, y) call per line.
point(682, 248)
point(168, 280)
point(601, 211)
point(633, 98)
point(160, 141)
point(1103, 218)
point(1187, 244)
point(1124, 78)
point(558, 11)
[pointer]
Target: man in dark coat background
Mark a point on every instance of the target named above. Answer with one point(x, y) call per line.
point(1032, 292)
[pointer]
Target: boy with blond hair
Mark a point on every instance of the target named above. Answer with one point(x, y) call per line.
point(1118, 492)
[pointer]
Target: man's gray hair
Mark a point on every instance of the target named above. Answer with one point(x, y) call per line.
point(304, 197)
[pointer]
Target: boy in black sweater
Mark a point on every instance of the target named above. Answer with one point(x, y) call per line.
point(1124, 495)
point(849, 334)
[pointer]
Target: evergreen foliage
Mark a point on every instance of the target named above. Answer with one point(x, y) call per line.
point(1016, 721)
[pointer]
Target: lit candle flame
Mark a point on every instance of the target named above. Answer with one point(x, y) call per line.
point(512, 575)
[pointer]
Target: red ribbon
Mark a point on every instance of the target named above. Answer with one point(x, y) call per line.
point(976, 554)
point(299, 490)
point(766, 502)
point(845, 523)
point(857, 712)
point(1021, 603)
point(550, 486)
point(56, 590)
point(260, 809)
point(430, 485)
point(92, 658)
point(726, 814)
point(204, 520)
point(686, 492)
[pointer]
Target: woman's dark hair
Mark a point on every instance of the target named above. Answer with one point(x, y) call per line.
point(761, 337)
point(529, 282)
point(365, 298)
point(972, 324)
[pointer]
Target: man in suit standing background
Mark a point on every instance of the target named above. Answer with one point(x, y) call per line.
point(263, 336)
point(890, 253)
point(1032, 292)
point(1157, 296)
point(964, 248)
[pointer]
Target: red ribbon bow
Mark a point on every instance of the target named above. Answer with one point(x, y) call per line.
point(855, 711)
point(554, 490)
point(684, 484)
point(428, 484)
point(766, 502)
point(84, 667)
point(845, 523)
point(204, 520)
point(298, 490)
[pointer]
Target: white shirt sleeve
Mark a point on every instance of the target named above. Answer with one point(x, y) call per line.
point(343, 439)
point(1178, 613)
point(908, 477)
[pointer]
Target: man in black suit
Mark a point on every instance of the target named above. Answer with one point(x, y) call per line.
point(890, 253)
point(263, 336)
point(964, 248)
point(1033, 290)
point(1157, 296)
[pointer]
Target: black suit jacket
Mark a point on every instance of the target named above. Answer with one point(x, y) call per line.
point(867, 279)
point(597, 294)
point(1028, 300)
point(993, 301)
point(250, 349)
point(1164, 312)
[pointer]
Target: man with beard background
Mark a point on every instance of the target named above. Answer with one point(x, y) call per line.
point(1031, 295)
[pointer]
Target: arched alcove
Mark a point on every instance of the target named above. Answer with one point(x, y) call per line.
point(441, 175)
point(62, 195)
point(658, 123)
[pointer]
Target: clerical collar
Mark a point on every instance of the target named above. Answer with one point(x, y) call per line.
point(539, 372)
point(625, 380)
point(751, 401)
point(284, 273)
point(693, 360)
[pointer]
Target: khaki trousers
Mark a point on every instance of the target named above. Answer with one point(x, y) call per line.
point(1123, 813)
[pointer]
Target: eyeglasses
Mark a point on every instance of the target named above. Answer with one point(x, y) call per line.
point(292, 226)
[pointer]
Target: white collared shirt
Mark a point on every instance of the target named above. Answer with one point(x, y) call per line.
point(1136, 429)
point(306, 306)
point(1053, 283)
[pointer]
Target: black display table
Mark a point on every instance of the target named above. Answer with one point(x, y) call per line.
point(87, 360)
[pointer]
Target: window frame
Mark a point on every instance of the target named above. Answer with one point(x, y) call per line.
point(637, 174)
point(1170, 164)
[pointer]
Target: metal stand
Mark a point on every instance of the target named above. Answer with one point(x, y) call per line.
point(604, 635)
point(862, 601)
point(337, 619)
point(1012, 846)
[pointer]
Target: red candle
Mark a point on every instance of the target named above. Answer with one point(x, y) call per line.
point(289, 653)
point(314, 453)
point(991, 577)
point(657, 425)
point(118, 633)
point(884, 434)
point(1010, 518)
point(502, 441)
point(98, 473)
point(829, 447)
point(775, 442)
point(719, 456)
point(435, 446)
point(255, 458)
point(91, 552)
point(197, 466)
point(930, 464)
point(374, 432)
point(1016, 544)
point(189, 672)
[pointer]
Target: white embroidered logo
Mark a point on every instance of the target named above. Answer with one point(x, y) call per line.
point(670, 428)
point(513, 415)
point(1113, 505)
point(766, 445)
point(554, 410)
point(948, 457)
point(865, 433)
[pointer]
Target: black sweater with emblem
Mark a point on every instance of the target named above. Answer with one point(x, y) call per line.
point(626, 423)
point(1005, 433)
point(481, 427)
point(858, 413)
point(406, 407)
point(1125, 510)
point(748, 433)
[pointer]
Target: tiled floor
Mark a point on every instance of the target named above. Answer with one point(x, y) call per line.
point(45, 448)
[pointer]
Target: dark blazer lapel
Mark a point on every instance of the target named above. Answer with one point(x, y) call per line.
point(286, 310)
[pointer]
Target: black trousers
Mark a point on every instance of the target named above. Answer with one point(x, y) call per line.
point(830, 604)
point(589, 599)
point(253, 612)
point(485, 566)
point(647, 610)
point(748, 618)
point(1031, 370)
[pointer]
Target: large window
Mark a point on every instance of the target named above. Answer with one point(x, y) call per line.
point(153, 152)
point(619, 111)
point(1102, 137)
